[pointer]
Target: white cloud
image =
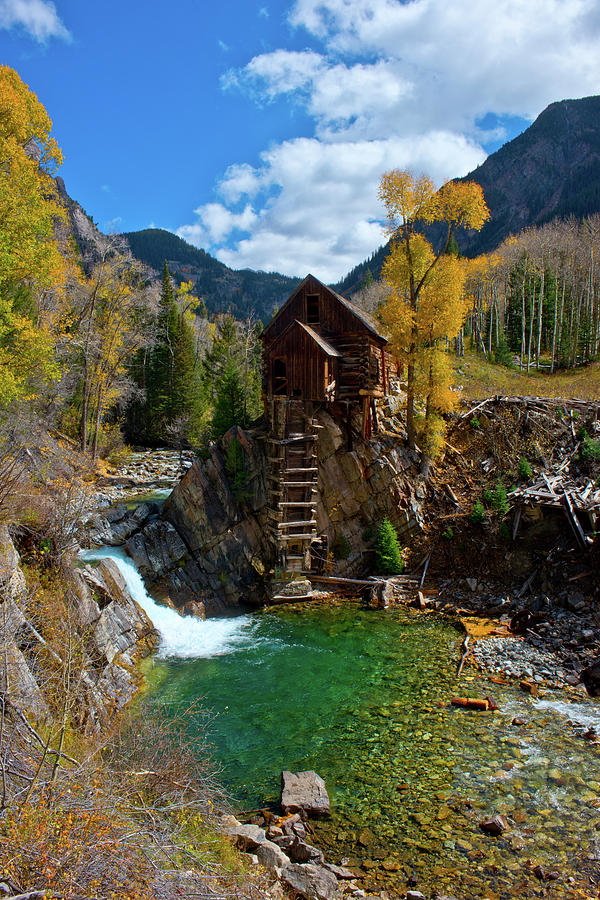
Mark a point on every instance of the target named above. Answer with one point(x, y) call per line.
point(113, 226)
point(508, 56)
point(264, 12)
point(321, 213)
point(38, 17)
point(216, 222)
point(396, 83)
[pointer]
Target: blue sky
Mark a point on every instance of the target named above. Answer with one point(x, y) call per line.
point(259, 130)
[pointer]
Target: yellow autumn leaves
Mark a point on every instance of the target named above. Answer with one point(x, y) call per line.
point(426, 304)
point(30, 261)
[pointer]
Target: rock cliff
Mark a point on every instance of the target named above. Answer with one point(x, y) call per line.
point(211, 543)
point(110, 631)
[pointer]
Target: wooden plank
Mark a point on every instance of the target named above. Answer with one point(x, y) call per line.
point(297, 524)
point(298, 503)
point(298, 537)
point(574, 521)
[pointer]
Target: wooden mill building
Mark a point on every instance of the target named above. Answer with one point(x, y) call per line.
point(319, 350)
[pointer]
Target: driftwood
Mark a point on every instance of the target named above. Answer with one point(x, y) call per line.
point(474, 703)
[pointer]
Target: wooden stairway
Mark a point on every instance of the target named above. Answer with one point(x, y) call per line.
point(292, 475)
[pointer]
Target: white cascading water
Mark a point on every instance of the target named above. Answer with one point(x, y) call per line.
point(182, 636)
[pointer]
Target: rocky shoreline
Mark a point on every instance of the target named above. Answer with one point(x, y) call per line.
point(548, 640)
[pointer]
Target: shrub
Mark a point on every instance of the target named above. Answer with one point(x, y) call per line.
point(340, 546)
point(235, 466)
point(475, 423)
point(448, 533)
point(477, 514)
point(488, 497)
point(590, 450)
point(369, 533)
point(503, 355)
point(499, 500)
point(524, 470)
point(388, 555)
point(504, 532)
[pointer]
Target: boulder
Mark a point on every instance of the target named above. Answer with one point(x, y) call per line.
point(301, 852)
point(590, 676)
point(271, 856)
point(247, 837)
point(313, 882)
point(304, 792)
point(496, 825)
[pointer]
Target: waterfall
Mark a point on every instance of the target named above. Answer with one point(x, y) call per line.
point(185, 637)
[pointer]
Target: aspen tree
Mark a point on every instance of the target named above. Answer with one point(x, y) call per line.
point(423, 283)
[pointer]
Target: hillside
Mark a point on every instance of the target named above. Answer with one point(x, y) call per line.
point(550, 170)
point(241, 292)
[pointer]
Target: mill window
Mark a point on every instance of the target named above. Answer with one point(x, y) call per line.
point(312, 309)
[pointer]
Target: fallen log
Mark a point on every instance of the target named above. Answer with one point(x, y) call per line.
point(471, 703)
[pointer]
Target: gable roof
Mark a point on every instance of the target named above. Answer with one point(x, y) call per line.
point(364, 317)
point(324, 345)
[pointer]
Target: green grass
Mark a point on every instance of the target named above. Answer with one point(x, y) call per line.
point(481, 378)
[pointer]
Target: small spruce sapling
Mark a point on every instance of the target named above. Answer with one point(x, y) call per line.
point(477, 514)
point(524, 470)
point(500, 500)
point(388, 555)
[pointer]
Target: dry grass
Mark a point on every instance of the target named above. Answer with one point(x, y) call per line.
point(479, 378)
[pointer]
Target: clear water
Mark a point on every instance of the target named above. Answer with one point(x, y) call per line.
point(362, 697)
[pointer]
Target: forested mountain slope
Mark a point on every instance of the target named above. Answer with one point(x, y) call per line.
point(551, 169)
point(240, 292)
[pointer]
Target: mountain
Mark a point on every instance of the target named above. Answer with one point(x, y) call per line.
point(241, 291)
point(79, 227)
point(550, 170)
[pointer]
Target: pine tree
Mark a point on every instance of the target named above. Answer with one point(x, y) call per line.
point(388, 556)
point(229, 404)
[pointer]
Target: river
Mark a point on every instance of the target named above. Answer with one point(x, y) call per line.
point(362, 697)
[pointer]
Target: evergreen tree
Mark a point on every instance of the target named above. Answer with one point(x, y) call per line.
point(229, 403)
point(168, 375)
point(388, 556)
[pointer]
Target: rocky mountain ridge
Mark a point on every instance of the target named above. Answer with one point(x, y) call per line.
point(550, 170)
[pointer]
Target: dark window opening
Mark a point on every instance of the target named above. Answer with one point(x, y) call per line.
point(312, 309)
point(280, 384)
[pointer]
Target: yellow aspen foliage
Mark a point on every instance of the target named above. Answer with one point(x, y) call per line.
point(425, 306)
point(29, 254)
point(28, 204)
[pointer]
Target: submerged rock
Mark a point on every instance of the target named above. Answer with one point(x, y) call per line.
point(496, 825)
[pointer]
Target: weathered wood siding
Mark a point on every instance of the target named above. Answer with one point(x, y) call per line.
point(308, 368)
point(365, 365)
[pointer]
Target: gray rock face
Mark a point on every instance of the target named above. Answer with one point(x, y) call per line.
point(304, 792)
point(224, 552)
point(312, 881)
point(115, 630)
